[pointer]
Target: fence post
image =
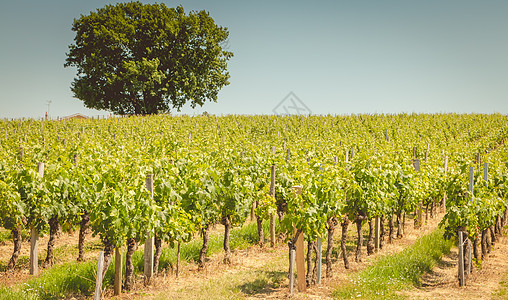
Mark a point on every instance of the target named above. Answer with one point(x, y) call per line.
point(300, 254)
point(300, 263)
point(34, 237)
point(291, 269)
point(319, 258)
point(98, 282)
point(272, 193)
point(445, 171)
point(118, 272)
point(148, 267)
point(461, 259)
point(418, 223)
point(471, 181)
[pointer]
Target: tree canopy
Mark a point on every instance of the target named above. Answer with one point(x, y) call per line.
point(135, 58)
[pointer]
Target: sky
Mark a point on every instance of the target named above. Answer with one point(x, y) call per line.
point(319, 57)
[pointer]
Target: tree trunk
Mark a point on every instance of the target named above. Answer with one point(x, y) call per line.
point(400, 230)
point(358, 257)
point(226, 221)
point(344, 224)
point(332, 222)
point(467, 246)
point(310, 273)
point(493, 237)
point(314, 270)
point(17, 239)
point(427, 213)
point(382, 232)
point(432, 209)
point(260, 230)
point(475, 248)
point(390, 229)
point(83, 229)
point(370, 241)
point(252, 211)
point(499, 232)
point(132, 245)
point(156, 256)
point(202, 253)
point(108, 254)
point(53, 232)
point(404, 223)
point(484, 243)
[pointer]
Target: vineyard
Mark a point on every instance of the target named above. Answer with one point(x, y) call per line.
point(165, 180)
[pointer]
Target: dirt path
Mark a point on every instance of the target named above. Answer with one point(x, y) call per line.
point(343, 276)
point(481, 283)
point(262, 273)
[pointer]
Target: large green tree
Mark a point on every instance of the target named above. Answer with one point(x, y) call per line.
point(135, 58)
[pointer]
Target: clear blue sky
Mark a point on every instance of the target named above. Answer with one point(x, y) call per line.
point(338, 57)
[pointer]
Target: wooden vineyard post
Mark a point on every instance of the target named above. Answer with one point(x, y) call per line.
point(471, 181)
point(300, 263)
point(444, 196)
point(486, 172)
point(98, 283)
point(461, 259)
point(300, 254)
point(34, 237)
point(272, 216)
point(118, 272)
point(418, 222)
point(291, 270)
point(462, 240)
point(148, 267)
point(319, 258)
point(34, 249)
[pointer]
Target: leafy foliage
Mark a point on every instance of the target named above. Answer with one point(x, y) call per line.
point(135, 58)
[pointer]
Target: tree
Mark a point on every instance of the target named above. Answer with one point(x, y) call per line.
point(135, 58)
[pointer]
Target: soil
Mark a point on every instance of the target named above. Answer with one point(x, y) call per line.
point(442, 282)
point(480, 284)
point(66, 241)
point(343, 276)
point(255, 258)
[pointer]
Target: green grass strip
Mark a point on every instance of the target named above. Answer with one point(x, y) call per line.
point(397, 272)
point(61, 281)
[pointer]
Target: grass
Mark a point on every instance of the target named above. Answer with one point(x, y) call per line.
point(58, 282)
point(73, 278)
point(502, 291)
point(241, 238)
point(259, 282)
point(397, 272)
point(9, 294)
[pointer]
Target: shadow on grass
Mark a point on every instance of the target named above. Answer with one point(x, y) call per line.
point(265, 282)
